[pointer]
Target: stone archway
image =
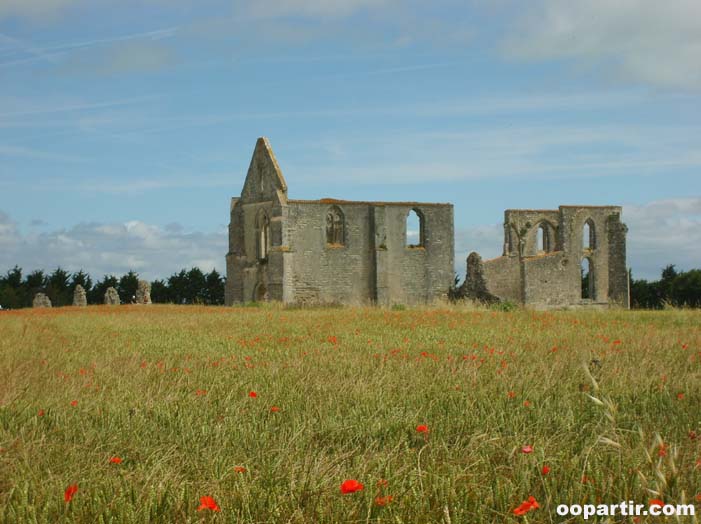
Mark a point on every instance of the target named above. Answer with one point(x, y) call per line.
point(260, 293)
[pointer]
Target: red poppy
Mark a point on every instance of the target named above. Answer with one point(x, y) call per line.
point(693, 435)
point(527, 403)
point(680, 396)
point(208, 502)
point(656, 502)
point(422, 428)
point(545, 470)
point(239, 469)
point(115, 460)
point(511, 394)
point(351, 486)
point(526, 506)
point(40, 413)
point(74, 403)
point(383, 501)
point(201, 392)
point(274, 409)
point(382, 483)
point(527, 449)
point(70, 491)
point(252, 394)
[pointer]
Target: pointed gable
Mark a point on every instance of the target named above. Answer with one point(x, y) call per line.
point(264, 181)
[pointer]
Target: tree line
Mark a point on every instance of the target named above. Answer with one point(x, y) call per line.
point(674, 288)
point(185, 287)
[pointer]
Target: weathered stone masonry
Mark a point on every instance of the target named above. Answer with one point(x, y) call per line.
point(332, 251)
point(338, 251)
point(542, 260)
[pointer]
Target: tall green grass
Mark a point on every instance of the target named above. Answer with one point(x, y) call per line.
point(609, 401)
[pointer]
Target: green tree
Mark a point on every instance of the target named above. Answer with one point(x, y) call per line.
point(160, 293)
point(214, 288)
point(33, 283)
point(11, 290)
point(196, 286)
point(177, 284)
point(57, 288)
point(127, 287)
point(685, 289)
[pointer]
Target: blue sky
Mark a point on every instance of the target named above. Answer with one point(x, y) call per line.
point(125, 127)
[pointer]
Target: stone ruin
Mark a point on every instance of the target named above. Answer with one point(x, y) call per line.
point(573, 256)
point(79, 297)
point(143, 293)
point(41, 300)
point(112, 297)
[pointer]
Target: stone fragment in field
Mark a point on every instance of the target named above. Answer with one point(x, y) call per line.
point(41, 300)
point(112, 297)
point(143, 293)
point(79, 297)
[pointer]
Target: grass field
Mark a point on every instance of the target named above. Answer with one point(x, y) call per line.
point(609, 403)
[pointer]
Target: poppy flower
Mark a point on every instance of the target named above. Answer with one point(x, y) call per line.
point(351, 486)
point(382, 483)
point(422, 428)
point(70, 491)
point(511, 394)
point(74, 403)
point(680, 396)
point(274, 409)
point(527, 449)
point(545, 470)
point(252, 394)
point(383, 501)
point(208, 502)
point(40, 413)
point(115, 460)
point(526, 506)
point(656, 502)
point(239, 469)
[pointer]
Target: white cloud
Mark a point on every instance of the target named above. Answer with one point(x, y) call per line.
point(663, 232)
point(649, 41)
point(325, 8)
point(152, 251)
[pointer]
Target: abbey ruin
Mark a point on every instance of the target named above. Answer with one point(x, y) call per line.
point(333, 251)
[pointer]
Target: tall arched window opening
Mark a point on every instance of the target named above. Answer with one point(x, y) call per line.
point(588, 289)
point(588, 235)
point(262, 236)
point(415, 229)
point(335, 227)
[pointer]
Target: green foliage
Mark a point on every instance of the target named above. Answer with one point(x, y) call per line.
point(127, 286)
point(675, 288)
point(504, 306)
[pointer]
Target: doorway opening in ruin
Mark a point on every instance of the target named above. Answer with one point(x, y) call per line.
point(588, 289)
point(260, 294)
point(414, 229)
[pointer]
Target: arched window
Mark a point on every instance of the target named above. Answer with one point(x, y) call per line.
point(262, 236)
point(588, 288)
point(335, 227)
point(588, 235)
point(415, 229)
point(544, 240)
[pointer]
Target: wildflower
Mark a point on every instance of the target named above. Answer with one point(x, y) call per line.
point(240, 469)
point(662, 450)
point(40, 413)
point(693, 435)
point(545, 470)
point(351, 486)
point(526, 403)
point(332, 340)
point(422, 428)
point(201, 392)
point(382, 483)
point(511, 394)
point(252, 394)
point(527, 449)
point(383, 501)
point(74, 403)
point(208, 502)
point(274, 409)
point(70, 491)
point(526, 506)
point(656, 502)
point(680, 396)
point(115, 460)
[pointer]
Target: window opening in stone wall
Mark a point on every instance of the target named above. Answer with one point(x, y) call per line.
point(544, 242)
point(335, 227)
point(588, 235)
point(414, 229)
point(587, 279)
point(263, 236)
